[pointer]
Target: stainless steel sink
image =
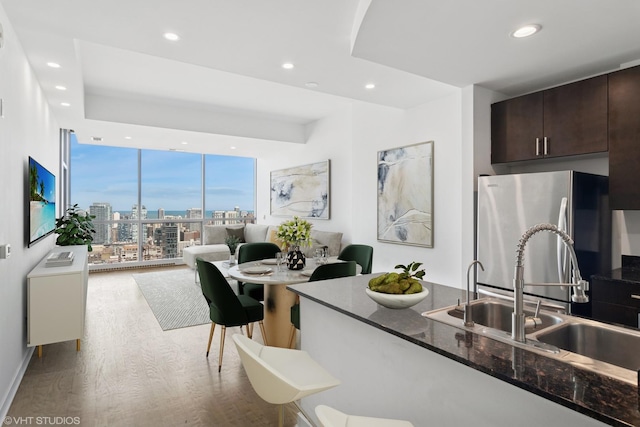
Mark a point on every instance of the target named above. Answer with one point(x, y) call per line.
point(600, 342)
point(491, 313)
point(599, 347)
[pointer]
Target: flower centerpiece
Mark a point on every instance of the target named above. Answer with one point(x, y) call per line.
point(75, 228)
point(295, 233)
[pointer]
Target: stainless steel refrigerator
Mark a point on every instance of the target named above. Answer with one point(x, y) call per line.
point(509, 204)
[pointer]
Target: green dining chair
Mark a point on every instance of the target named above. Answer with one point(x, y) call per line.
point(322, 272)
point(225, 307)
point(255, 252)
point(362, 254)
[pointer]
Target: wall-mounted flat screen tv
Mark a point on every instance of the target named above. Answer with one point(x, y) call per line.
point(42, 202)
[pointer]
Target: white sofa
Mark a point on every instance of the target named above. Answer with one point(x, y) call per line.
point(215, 249)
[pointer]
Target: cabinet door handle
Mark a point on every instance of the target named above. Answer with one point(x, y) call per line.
point(537, 146)
point(546, 146)
point(635, 296)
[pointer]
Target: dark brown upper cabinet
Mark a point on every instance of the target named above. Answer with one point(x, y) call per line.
point(624, 139)
point(563, 121)
point(515, 125)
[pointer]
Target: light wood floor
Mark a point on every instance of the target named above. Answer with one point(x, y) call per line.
point(131, 373)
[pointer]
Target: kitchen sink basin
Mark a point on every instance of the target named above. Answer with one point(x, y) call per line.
point(492, 313)
point(587, 344)
point(600, 342)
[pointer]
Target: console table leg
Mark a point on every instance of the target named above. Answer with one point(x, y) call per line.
point(39, 351)
point(78, 345)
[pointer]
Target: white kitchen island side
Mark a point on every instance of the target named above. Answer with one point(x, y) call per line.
point(385, 375)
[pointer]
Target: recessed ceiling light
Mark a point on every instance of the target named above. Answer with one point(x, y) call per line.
point(127, 137)
point(96, 138)
point(369, 86)
point(287, 65)
point(53, 64)
point(526, 31)
point(184, 143)
point(59, 87)
point(311, 84)
point(232, 147)
point(65, 104)
point(172, 37)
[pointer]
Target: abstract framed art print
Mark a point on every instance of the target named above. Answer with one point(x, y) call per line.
point(405, 195)
point(301, 191)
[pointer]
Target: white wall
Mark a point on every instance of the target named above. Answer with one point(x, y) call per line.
point(27, 129)
point(377, 128)
point(351, 139)
point(329, 138)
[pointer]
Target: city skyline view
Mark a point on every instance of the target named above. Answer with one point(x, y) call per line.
point(169, 180)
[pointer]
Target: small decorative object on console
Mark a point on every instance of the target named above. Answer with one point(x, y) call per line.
point(57, 259)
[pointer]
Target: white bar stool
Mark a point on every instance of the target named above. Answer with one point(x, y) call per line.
point(330, 417)
point(282, 375)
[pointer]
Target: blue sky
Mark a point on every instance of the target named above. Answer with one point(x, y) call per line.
point(170, 180)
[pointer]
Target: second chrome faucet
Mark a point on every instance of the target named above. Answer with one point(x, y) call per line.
point(468, 316)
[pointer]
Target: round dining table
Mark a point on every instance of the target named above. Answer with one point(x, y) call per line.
point(277, 298)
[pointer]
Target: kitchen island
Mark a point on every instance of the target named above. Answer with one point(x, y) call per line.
point(398, 364)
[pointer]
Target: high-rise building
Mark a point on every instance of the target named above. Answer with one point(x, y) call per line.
point(142, 213)
point(232, 217)
point(194, 213)
point(102, 211)
point(218, 217)
point(166, 237)
point(161, 213)
point(135, 215)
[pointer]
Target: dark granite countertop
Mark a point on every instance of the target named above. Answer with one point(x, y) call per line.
point(629, 273)
point(608, 400)
point(621, 275)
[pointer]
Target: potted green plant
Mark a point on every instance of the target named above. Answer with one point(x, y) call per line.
point(295, 233)
point(75, 228)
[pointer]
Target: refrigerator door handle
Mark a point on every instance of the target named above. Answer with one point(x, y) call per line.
point(561, 249)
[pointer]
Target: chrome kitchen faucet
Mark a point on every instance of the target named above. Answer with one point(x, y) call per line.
point(518, 319)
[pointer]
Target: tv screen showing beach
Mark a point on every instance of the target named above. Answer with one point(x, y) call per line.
point(42, 201)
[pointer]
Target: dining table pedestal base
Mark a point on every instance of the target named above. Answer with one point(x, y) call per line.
point(277, 314)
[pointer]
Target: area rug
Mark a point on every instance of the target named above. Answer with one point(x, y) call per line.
point(174, 298)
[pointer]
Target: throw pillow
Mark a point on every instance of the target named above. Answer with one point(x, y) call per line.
point(273, 238)
point(238, 232)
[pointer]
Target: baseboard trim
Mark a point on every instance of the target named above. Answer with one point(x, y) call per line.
point(4, 409)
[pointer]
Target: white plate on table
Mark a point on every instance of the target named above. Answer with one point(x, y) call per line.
point(258, 269)
point(270, 261)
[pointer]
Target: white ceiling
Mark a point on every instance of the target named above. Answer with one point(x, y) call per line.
point(222, 84)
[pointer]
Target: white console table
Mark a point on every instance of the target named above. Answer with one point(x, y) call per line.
point(57, 299)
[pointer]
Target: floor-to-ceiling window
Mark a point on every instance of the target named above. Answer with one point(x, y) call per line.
point(150, 204)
